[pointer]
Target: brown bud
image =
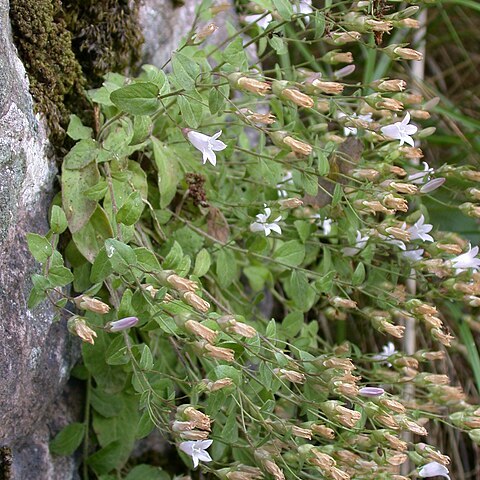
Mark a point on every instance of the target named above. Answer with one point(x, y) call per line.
point(341, 38)
point(322, 460)
point(395, 85)
point(439, 355)
point(386, 420)
point(297, 146)
point(199, 419)
point(394, 330)
point(290, 375)
point(420, 114)
point(348, 418)
point(403, 187)
point(425, 309)
point(181, 284)
point(452, 248)
point(219, 353)
point(471, 175)
point(195, 435)
point(397, 203)
point(443, 338)
point(79, 327)
point(390, 104)
point(219, 384)
point(253, 86)
point(395, 442)
point(398, 171)
point(196, 302)
point(343, 363)
point(375, 206)
point(398, 233)
point(297, 97)
point(407, 23)
point(332, 88)
point(205, 32)
point(323, 431)
point(201, 330)
point(413, 427)
point(366, 174)
point(178, 426)
point(408, 53)
point(335, 58)
point(339, 302)
point(262, 118)
point(379, 25)
point(273, 469)
point(437, 379)
point(91, 304)
point(302, 432)
point(290, 203)
point(230, 325)
point(411, 152)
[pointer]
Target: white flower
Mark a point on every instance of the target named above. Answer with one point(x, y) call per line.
point(420, 178)
point(413, 255)
point(326, 226)
point(393, 241)
point(352, 130)
point(258, 20)
point(466, 260)
point(207, 145)
point(387, 351)
point(420, 230)
point(197, 449)
point(360, 243)
point(434, 469)
point(261, 225)
point(287, 179)
point(401, 131)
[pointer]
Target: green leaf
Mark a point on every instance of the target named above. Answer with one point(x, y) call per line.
point(147, 472)
point(203, 262)
point(278, 44)
point(145, 425)
point(76, 130)
point(82, 154)
point(156, 76)
point(137, 98)
point(226, 268)
point(60, 276)
point(191, 111)
point(174, 257)
point(98, 191)
point(131, 210)
point(147, 260)
point(101, 267)
point(76, 206)
point(323, 164)
point(142, 129)
point(106, 404)
point(121, 256)
point(217, 98)
point(235, 55)
point(300, 291)
point(185, 70)
point(284, 8)
point(58, 220)
point(325, 284)
point(39, 247)
point(358, 275)
point(68, 439)
point(319, 21)
point(107, 458)
point(290, 253)
point(292, 324)
point(146, 359)
point(167, 172)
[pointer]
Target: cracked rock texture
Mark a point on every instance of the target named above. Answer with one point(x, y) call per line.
point(36, 352)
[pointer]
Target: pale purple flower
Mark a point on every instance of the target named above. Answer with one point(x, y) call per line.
point(197, 449)
point(434, 469)
point(360, 243)
point(122, 324)
point(401, 131)
point(371, 391)
point(466, 260)
point(419, 230)
point(343, 72)
point(413, 255)
point(432, 185)
point(262, 225)
point(258, 20)
point(207, 145)
point(420, 178)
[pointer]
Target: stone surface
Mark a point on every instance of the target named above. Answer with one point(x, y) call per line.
point(35, 352)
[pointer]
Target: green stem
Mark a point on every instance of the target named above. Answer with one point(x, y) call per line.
point(86, 425)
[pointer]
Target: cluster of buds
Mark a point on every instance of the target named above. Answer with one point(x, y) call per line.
point(265, 460)
point(324, 462)
point(340, 414)
point(191, 424)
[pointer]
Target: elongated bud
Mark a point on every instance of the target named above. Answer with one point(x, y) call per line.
point(332, 88)
point(335, 57)
point(395, 85)
point(407, 188)
point(297, 146)
point(196, 302)
point(199, 419)
point(229, 324)
point(249, 84)
point(205, 32)
point(218, 353)
point(178, 426)
point(78, 326)
point(394, 330)
point(195, 435)
point(323, 431)
point(122, 324)
point(254, 117)
point(245, 472)
point(373, 207)
point(339, 302)
point(200, 330)
point(281, 89)
point(412, 426)
point(290, 375)
point(397, 203)
point(341, 38)
point(264, 458)
point(398, 233)
point(289, 203)
point(442, 337)
point(389, 104)
point(366, 174)
point(411, 152)
point(179, 283)
point(218, 384)
point(91, 304)
point(420, 114)
point(471, 175)
point(397, 52)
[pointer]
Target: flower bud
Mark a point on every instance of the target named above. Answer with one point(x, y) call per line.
point(366, 174)
point(296, 96)
point(205, 32)
point(78, 326)
point(196, 302)
point(407, 23)
point(413, 153)
point(122, 324)
point(394, 330)
point(323, 431)
point(398, 233)
point(374, 207)
point(249, 84)
point(254, 117)
point(195, 435)
point(199, 419)
point(389, 104)
point(406, 188)
point(332, 88)
point(297, 146)
point(218, 384)
point(200, 330)
point(341, 38)
point(397, 203)
point(396, 52)
point(412, 426)
point(290, 203)
point(179, 283)
point(335, 57)
point(290, 375)
point(178, 426)
point(443, 338)
point(471, 175)
point(420, 114)
point(395, 85)
point(392, 404)
point(91, 304)
point(339, 302)
point(218, 353)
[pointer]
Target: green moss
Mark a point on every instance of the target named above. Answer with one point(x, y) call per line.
point(68, 46)
point(45, 47)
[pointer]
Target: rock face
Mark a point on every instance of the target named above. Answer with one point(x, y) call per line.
point(37, 353)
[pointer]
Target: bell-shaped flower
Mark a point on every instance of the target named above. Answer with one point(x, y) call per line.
point(419, 230)
point(262, 224)
point(207, 145)
point(466, 260)
point(434, 469)
point(360, 243)
point(197, 449)
point(371, 391)
point(413, 255)
point(401, 131)
point(422, 177)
